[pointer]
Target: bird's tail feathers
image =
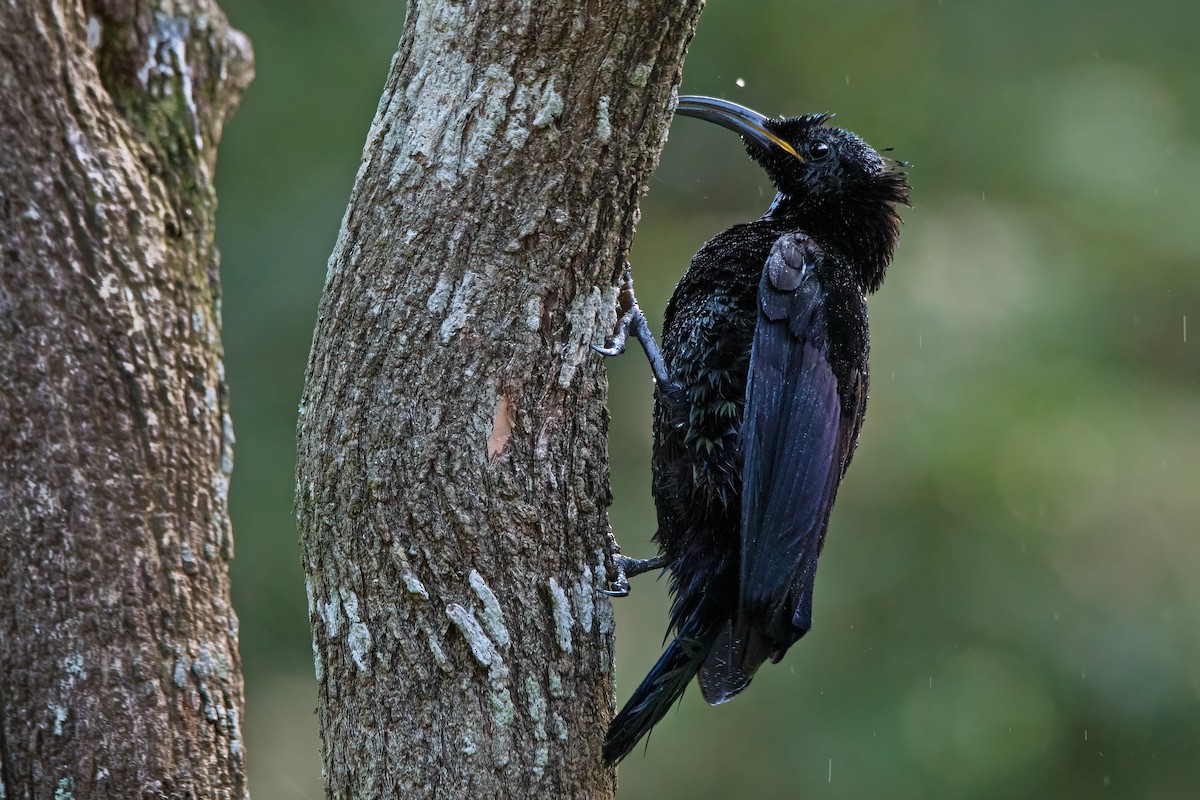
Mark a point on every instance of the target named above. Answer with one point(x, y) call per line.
point(737, 654)
point(742, 647)
point(662, 687)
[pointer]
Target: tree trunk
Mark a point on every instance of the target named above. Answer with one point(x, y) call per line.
point(118, 643)
point(453, 470)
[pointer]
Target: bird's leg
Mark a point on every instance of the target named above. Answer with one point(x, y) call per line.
point(629, 568)
point(634, 321)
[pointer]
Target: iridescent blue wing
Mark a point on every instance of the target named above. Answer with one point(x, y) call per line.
point(794, 446)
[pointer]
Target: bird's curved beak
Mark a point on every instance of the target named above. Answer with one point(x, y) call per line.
point(738, 119)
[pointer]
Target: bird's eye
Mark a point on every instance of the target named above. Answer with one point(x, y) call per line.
point(819, 150)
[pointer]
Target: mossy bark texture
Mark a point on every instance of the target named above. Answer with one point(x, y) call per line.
point(452, 483)
point(119, 671)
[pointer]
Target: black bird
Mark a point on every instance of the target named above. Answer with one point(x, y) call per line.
point(760, 391)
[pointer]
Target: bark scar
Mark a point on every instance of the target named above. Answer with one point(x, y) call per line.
point(502, 426)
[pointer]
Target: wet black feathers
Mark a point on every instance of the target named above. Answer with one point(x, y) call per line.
point(766, 337)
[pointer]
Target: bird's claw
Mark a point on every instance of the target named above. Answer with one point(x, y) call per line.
point(609, 351)
point(633, 321)
point(620, 337)
point(627, 568)
point(630, 312)
point(618, 588)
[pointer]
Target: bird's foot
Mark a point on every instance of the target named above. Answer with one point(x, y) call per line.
point(627, 302)
point(634, 321)
point(627, 568)
point(616, 343)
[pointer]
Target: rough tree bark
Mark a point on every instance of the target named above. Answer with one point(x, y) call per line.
point(453, 468)
point(118, 643)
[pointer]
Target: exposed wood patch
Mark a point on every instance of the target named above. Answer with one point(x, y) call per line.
point(502, 427)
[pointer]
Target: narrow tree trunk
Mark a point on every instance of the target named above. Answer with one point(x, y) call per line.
point(119, 672)
point(453, 468)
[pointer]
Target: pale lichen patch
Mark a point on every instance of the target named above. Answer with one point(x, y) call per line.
point(493, 615)
point(235, 732)
point(439, 298)
point(358, 635)
point(211, 663)
point(559, 725)
point(60, 716)
point(318, 665)
point(227, 442)
point(109, 286)
point(555, 684)
point(503, 710)
point(536, 701)
point(584, 598)
point(533, 314)
point(435, 649)
point(358, 639)
point(308, 593)
point(640, 75)
point(331, 612)
point(603, 609)
point(581, 322)
point(93, 32)
point(603, 123)
point(481, 646)
point(481, 115)
point(414, 585)
point(166, 69)
point(211, 666)
point(560, 608)
point(516, 135)
point(537, 712)
point(349, 604)
point(73, 664)
point(460, 307)
point(550, 108)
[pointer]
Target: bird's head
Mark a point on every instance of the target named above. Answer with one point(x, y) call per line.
point(827, 177)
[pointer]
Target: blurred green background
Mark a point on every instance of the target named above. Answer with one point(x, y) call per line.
point(1008, 604)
